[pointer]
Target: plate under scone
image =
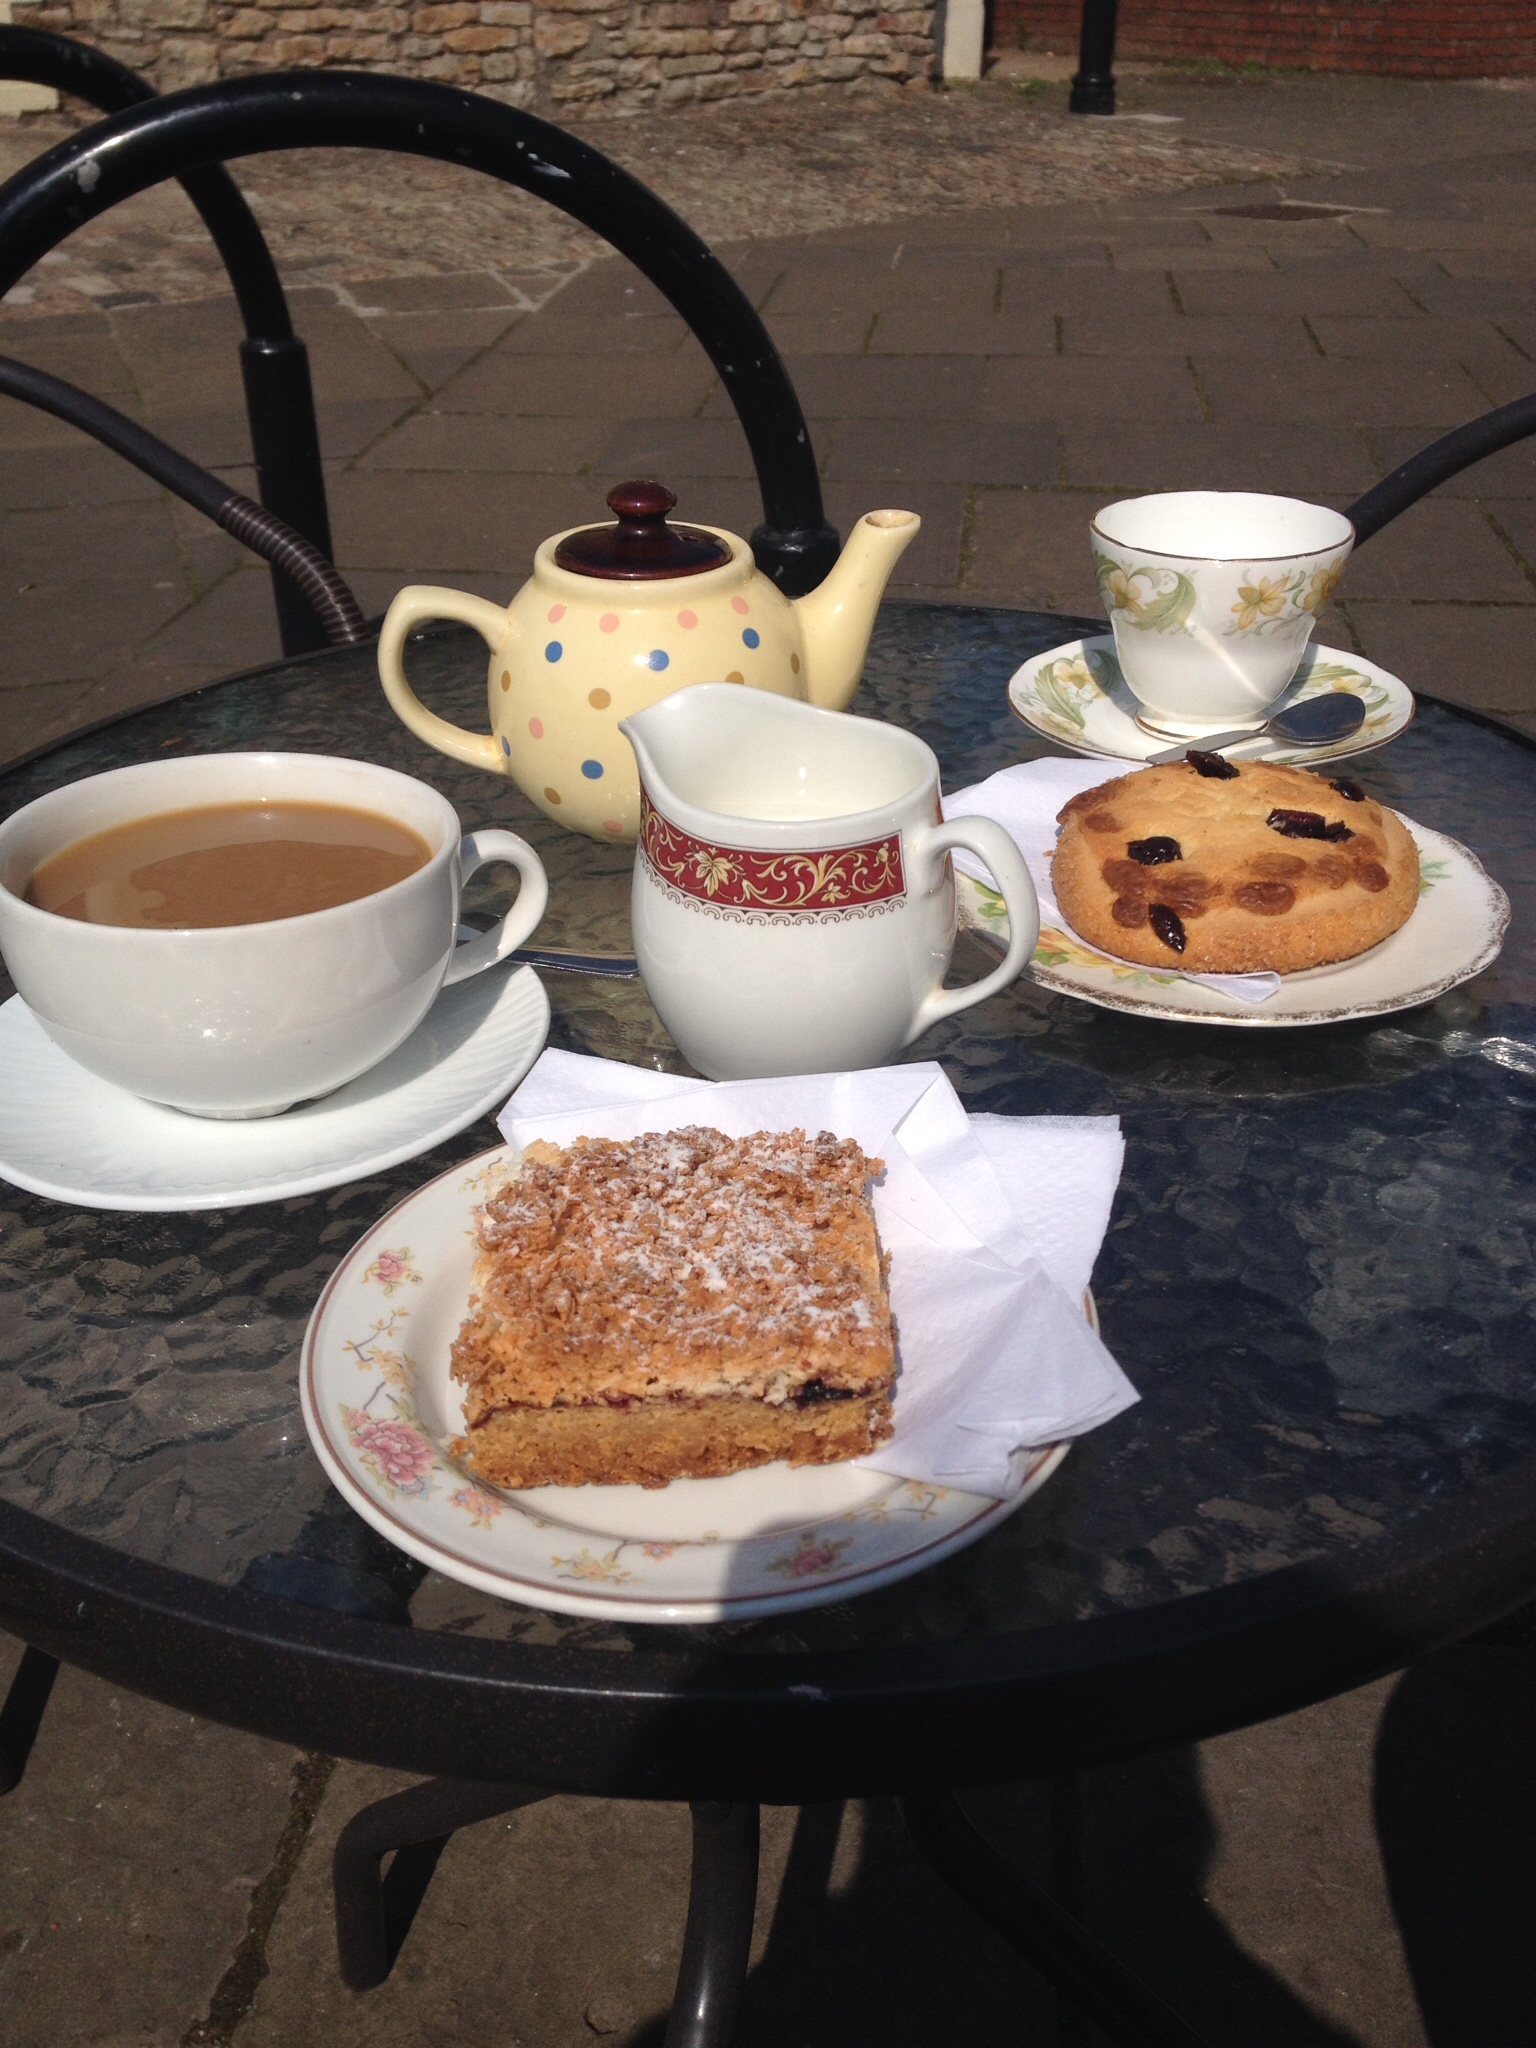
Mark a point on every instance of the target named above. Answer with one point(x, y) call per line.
point(1456, 930)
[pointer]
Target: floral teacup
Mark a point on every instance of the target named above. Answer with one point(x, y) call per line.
point(1213, 596)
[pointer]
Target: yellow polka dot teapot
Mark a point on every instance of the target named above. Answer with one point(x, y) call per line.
point(615, 617)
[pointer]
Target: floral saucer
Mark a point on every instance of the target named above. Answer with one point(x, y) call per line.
point(1455, 931)
point(381, 1408)
point(1075, 695)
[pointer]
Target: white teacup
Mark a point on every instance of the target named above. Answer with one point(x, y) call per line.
point(245, 1020)
point(794, 900)
point(1213, 596)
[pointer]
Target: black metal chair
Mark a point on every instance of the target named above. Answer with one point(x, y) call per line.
point(183, 133)
point(307, 584)
point(274, 362)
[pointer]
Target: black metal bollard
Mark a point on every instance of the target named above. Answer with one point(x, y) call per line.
point(1093, 89)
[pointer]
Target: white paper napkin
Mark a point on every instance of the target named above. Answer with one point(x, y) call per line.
point(1024, 800)
point(992, 1225)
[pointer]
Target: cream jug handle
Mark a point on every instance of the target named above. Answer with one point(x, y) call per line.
point(991, 844)
point(412, 607)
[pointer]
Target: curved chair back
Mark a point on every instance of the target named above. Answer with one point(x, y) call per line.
point(274, 363)
point(1442, 459)
point(93, 171)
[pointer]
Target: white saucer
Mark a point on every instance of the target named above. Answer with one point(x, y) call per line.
point(381, 1407)
point(1456, 929)
point(1074, 694)
point(66, 1134)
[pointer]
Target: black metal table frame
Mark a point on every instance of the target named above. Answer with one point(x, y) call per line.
point(499, 1725)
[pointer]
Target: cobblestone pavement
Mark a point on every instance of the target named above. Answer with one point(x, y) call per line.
point(755, 169)
point(1012, 319)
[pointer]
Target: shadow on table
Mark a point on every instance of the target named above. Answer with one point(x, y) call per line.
point(1456, 1820)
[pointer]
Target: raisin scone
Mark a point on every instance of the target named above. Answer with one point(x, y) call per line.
point(1226, 867)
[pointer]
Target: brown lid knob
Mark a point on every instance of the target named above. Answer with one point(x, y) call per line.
point(643, 546)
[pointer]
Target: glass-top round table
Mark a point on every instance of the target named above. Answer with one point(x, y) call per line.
point(1317, 1274)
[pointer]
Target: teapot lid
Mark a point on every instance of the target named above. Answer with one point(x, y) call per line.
point(643, 547)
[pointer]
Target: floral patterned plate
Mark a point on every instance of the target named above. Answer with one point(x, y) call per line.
point(1075, 695)
point(381, 1408)
point(1456, 930)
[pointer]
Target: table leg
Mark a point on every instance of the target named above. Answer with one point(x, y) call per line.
point(1027, 1917)
point(374, 1911)
point(22, 1714)
point(717, 1943)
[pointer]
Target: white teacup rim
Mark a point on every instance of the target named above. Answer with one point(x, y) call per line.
point(184, 935)
point(1344, 536)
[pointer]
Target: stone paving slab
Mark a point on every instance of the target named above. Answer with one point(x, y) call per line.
point(167, 1886)
point(130, 1857)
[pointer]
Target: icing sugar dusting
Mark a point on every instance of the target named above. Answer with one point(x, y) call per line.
point(687, 1238)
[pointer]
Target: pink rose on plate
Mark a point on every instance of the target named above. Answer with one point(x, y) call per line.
point(402, 1453)
point(806, 1563)
point(809, 1558)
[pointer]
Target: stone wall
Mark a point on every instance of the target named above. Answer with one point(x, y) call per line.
point(624, 56)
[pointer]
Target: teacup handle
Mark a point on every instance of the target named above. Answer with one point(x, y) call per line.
point(991, 844)
point(476, 849)
point(412, 607)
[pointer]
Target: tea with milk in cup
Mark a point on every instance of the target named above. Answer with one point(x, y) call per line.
point(223, 864)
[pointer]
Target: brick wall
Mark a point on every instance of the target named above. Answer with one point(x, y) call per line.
point(1394, 38)
point(627, 55)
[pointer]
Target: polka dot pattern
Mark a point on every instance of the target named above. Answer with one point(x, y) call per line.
point(556, 614)
point(599, 699)
point(794, 664)
point(751, 637)
point(740, 606)
point(657, 659)
point(536, 728)
point(506, 679)
point(551, 796)
point(735, 676)
point(608, 623)
point(553, 651)
point(506, 745)
point(593, 770)
point(612, 825)
point(687, 620)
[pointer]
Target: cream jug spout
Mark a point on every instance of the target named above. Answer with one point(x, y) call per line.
point(837, 618)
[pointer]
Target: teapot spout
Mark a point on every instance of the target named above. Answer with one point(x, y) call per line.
point(837, 618)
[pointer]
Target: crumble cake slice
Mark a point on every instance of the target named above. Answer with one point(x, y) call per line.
point(677, 1305)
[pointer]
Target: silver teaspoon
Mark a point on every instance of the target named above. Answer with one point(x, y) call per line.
point(1314, 722)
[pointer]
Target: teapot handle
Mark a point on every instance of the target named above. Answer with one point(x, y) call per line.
point(414, 605)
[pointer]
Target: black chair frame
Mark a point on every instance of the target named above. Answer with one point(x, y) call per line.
point(172, 136)
point(332, 615)
point(274, 362)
